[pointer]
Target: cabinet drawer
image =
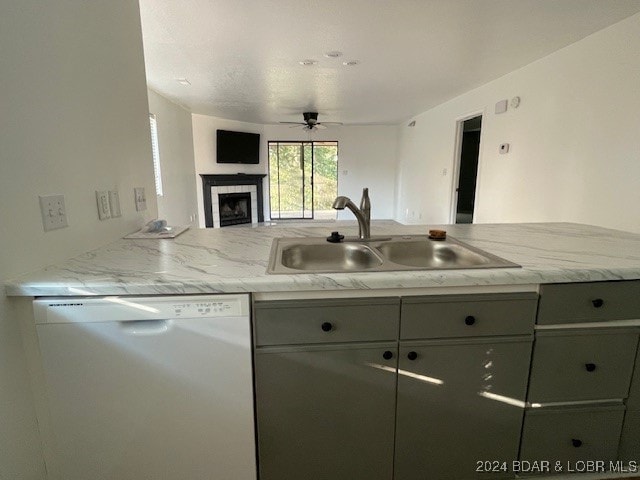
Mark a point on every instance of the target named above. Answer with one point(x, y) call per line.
point(442, 316)
point(582, 365)
point(572, 434)
point(589, 302)
point(326, 321)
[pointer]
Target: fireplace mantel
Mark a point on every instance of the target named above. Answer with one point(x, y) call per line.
point(211, 180)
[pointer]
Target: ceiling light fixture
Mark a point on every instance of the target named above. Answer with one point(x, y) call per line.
point(307, 62)
point(333, 54)
point(351, 63)
point(183, 81)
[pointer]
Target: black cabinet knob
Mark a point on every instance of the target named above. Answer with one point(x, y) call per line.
point(388, 355)
point(576, 443)
point(590, 367)
point(470, 320)
point(597, 302)
point(412, 355)
point(326, 326)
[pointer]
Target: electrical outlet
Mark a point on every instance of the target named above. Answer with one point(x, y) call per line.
point(114, 204)
point(54, 213)
point(104, 212)
point(141, 200)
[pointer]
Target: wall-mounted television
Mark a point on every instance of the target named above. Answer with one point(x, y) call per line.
point(237, 147)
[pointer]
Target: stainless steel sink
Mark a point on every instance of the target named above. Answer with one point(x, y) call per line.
point(433, 254)
point(402, 252)
point(330, 257)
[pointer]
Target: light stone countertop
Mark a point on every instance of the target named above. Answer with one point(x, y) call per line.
point(232, 260)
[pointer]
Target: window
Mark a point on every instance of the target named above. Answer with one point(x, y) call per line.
point(156, 154)
point(303, 179)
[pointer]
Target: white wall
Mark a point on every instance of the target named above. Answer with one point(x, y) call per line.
point(178, 204)
point(366, 158)
point(575, 143)
point(74, 120)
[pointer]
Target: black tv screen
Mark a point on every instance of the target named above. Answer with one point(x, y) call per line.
point(237, 147)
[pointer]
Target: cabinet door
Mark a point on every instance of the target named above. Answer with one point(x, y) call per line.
point(458, 404)
point(326, 412)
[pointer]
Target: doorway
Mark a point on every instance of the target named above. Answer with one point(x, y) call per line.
point(469, 152)
point(303, 180)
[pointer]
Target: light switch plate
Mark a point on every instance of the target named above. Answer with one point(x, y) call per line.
point(114, 204)
point(102, 197)
point(54, 212)
point(504, 148)
point(140, 198)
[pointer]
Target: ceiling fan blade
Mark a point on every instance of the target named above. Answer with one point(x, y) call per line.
point(293, 123)
point(332, 123)
point(320, 126)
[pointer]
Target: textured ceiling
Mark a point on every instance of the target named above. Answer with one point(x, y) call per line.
point(241, 56)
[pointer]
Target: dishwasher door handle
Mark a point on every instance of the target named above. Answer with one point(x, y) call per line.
point(145, 327)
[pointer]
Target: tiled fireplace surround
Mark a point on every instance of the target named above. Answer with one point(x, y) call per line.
point(212, 185)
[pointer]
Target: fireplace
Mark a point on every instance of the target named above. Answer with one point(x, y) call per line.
point(215, 186)
point(234, 208)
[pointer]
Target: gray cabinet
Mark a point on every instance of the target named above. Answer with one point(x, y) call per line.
point(326, 412)
point(571, 434)
point(581, 365)
point(581, 374)
point(562, 303)
point(459, 403)
point(461, 391)
point(325, 377)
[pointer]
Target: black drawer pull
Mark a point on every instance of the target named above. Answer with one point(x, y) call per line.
point(597, 302)
point(576, 443)
point(470, 320)
point(388, 355)
point(590, 367)
point(412, 355)
point(326, 327)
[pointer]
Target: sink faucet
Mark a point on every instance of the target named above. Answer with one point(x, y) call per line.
point(363, 214)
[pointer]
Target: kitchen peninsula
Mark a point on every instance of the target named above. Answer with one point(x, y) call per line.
point(234, 260)
point(466, 372)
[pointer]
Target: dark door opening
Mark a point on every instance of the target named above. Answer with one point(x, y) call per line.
point(468, 170)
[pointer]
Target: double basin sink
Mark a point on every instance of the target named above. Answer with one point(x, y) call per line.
point(383, 254)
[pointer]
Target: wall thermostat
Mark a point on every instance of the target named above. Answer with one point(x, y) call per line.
point(501, 106)
point(504, 148)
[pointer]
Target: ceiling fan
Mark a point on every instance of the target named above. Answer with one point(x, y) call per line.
point(311, 122)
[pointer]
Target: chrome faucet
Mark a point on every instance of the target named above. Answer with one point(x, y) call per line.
point(363, 214)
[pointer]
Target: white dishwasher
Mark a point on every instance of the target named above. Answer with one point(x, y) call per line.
point(147, 388)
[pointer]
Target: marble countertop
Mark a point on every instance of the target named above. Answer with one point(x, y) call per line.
point(232, 260)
